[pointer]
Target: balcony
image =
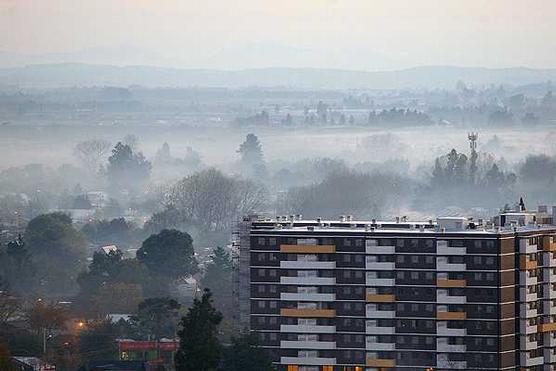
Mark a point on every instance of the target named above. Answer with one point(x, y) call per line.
point(380, 249)
point(451, 283)
point(525, 344)
point(379, 330)
point(380, 298)
point(442, 248)
point(549, 355)
point(527, 313)
point(307, 344)
point(381, 282)
point(310, 313)
point(374, 346)
point(526, 248)
point(380, 313)
point(528, 361)
point(451, 348)
point(549, 276)
point(381, 363)
point(549, 260)
point(526, 280)
point(380, 266)
point(316, 361)
point(300, 264)
point(322, 281)
point(525, 264)
point(308, 329)
point(442, 329)
point(307, 297)
point(308, 249)
point(524, 296)
point(549, 243)
point(444, 266)
point(526, 328)
point(549, 309)
point(549, 292)
point(452, 365)
point(549, 340)
point(547, 327)
point(450, 299)
point(451, 316)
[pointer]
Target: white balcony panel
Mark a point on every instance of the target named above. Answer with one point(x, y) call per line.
point(326, 281)
point(524, 296)
point(450, 299)
point(525, 344)
point(451, 348)
point(442, 248)
point(549, 292)
point(374, 346)
point(451, 267)
point(298, 264)
point(380, 313)
point(381, 282)
point(316, 361)
point(527, 313)
point(530, 361)
point(376, 330)
point(447, 331)
point(548, 340)
point(525, 280)
point(373, 248)
point(453, 365)
point(285, 344)
point(308, 329)
point(549, 355)
point(380, 266)
point(548, 309)
point(527, 329)
point(526, 248)
point(307, 297)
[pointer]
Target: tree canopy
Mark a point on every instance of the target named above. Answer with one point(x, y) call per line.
point(127, 170)
point(57, 249)
point(169, 253)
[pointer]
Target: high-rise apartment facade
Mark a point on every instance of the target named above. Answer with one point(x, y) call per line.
point(366, 295)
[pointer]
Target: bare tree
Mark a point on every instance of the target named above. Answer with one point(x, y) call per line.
point(213, 200)
point(91, 153)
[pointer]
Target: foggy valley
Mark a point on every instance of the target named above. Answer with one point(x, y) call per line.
point(277, 186)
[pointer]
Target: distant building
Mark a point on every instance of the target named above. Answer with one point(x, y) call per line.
point(350, 295)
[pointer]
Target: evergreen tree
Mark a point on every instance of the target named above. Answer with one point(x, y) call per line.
point(199, 348)
point(245, 355)
point(251, 152)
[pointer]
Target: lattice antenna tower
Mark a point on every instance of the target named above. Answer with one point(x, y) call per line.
point(473, 141)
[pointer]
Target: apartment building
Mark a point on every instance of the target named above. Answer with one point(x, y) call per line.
point(351, 295)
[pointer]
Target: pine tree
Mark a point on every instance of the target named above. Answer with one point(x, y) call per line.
point(199, 349)
point(245, 355)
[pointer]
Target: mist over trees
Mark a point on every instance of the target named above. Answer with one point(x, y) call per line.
point(136, 218)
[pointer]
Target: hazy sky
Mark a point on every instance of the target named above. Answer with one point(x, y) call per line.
point(230, 34)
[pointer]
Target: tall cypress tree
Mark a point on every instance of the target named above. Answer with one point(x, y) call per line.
point(199, 349)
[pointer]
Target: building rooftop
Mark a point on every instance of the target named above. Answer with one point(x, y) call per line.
point(448, 225)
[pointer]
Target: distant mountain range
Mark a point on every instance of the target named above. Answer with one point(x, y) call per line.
point(76, 74)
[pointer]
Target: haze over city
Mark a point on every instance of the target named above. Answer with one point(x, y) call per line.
point(309, 185)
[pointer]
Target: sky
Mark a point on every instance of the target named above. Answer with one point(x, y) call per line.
point(237, 34)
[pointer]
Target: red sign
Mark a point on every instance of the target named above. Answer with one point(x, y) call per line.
point(169, 346)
